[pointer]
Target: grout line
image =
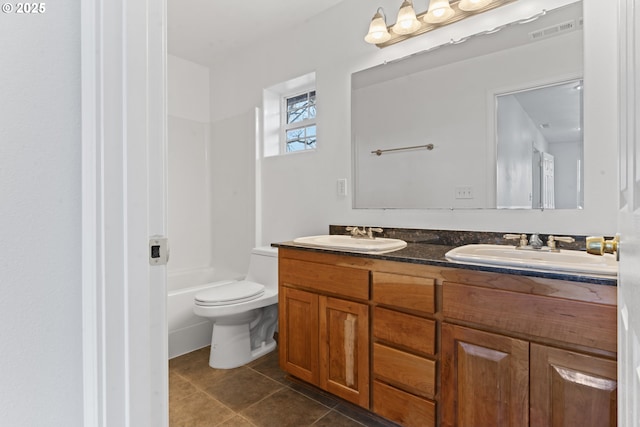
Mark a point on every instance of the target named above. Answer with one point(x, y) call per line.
point(281, 387)
point(237, 414)
point(265, 397)
point(321, 416)
point(339, 413)
point(188, 382)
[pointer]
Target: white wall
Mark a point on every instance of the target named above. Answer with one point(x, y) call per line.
point(566, 173)
point(189, 173)
point(517, 135)
point(299, 191)
point(40, 256)
point(233, 190)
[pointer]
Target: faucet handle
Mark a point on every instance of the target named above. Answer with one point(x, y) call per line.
point(522, 239)
point(374, 230)
point(551, 241)
point(353, 230)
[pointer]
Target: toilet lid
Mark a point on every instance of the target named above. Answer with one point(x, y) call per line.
point(230, 293)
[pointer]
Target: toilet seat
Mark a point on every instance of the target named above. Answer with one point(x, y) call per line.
point(230, 293)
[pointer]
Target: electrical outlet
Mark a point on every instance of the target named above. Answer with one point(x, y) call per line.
point(465, 192)
point(342, 187)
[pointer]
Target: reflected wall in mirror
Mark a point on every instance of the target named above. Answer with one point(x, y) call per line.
point(540, 147)
point(448, 97)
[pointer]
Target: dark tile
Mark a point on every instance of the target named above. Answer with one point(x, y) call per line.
point(195, 367)
point(269, 365)
point(185, 362)
point(312, 392)
point(266, 357)
point(179, 388)
point(236, 421)
point(242, 388)
point(362, 415)
point(198, 410)
point(286, 408)
point(334, 419)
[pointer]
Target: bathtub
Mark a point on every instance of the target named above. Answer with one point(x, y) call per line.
point(187, 332)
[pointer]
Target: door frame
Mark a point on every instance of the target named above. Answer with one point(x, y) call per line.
point(123, 60)
point(629, 214)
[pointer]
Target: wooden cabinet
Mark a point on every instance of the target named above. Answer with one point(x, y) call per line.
point(324, 337)
point(344, 349)
point(569, 388)
point(485, 379)
point(299, 334)
point(404, 349)
point(516, 359)
point(429, 346)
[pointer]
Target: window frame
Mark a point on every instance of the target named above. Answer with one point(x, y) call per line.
point(305, 123)
point(271, 122)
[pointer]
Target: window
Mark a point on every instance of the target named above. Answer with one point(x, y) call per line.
point(299, 114)
point(289, 116)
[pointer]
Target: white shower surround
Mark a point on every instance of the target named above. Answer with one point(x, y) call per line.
point(190, 263)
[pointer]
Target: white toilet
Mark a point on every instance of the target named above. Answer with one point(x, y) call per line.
point(244, 312)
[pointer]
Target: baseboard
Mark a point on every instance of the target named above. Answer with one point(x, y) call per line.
point(189, 339)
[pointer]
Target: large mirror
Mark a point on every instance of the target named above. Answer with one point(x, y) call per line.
point(493, 122)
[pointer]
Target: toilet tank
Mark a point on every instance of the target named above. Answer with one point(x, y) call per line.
point(263, 267)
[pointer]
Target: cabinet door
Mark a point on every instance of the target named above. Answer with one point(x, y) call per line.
point(298, 334)
point(485, 379)
point(571, 389)
point(344, 349)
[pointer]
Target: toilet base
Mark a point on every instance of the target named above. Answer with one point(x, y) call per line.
point(231, 346)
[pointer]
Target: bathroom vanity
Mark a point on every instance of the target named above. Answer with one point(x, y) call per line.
point(422, 341)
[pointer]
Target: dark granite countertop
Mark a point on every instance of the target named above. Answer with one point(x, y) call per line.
point(420, 251)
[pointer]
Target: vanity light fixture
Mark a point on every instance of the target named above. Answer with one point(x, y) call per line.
point(439, 13)
point(472, 5)
point(378, 32)
point(407, 22)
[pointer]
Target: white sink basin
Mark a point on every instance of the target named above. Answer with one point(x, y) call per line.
point(347, 243)
point(567, 261)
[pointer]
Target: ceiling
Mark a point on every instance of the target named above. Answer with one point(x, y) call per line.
point(204, 30)
point(556, 110)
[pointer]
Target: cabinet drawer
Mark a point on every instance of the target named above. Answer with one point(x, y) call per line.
point(403, 408)
point(412, 332)
point(331, 279)
point(409, 292)
point(577, 322)
point(408, 371)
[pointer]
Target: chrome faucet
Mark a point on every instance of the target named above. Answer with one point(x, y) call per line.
point(535, 242)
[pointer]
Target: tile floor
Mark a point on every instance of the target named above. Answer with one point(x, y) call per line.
point(258, 394)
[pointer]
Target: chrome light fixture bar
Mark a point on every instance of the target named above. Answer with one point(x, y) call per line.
point(440, 13)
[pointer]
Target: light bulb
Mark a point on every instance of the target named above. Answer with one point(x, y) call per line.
point(377, 29)
point(407, 22)
point(439, 11)
point(472, 5)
